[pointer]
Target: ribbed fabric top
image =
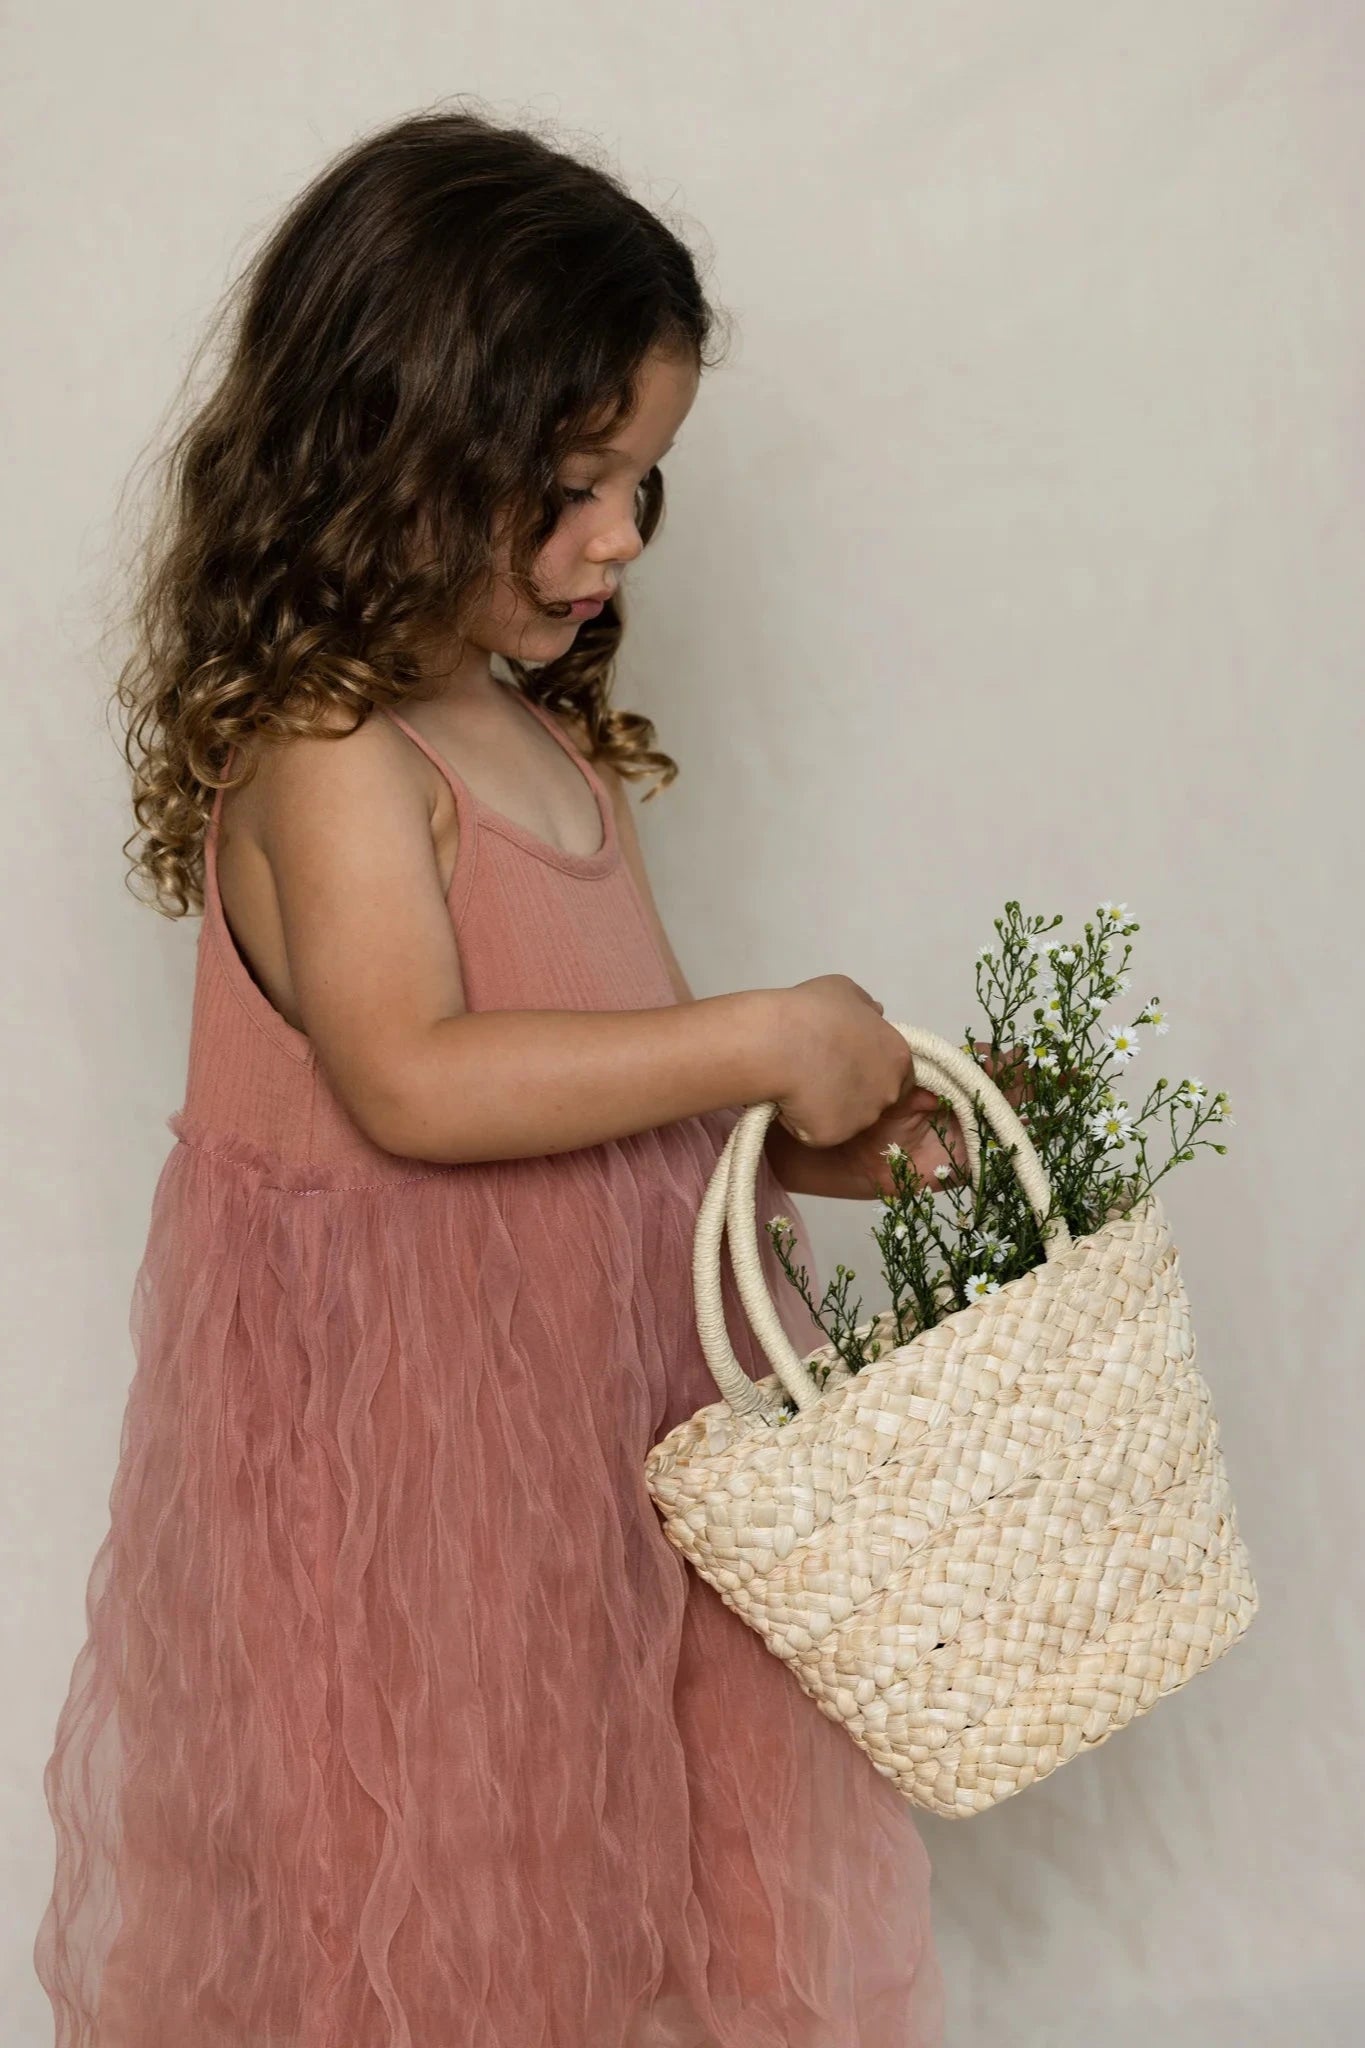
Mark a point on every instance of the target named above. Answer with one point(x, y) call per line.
point(537, 928)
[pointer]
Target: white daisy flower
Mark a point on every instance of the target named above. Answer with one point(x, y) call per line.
point(991, 1246)
point(1123, 1044)
point(892, 1151)
point(1155, 1015)
point(1112, 913)
point(1112, 1125)
point(1191, 1093)
point(979, 1285)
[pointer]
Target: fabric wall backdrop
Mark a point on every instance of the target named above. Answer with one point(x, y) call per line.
point(1015, 552)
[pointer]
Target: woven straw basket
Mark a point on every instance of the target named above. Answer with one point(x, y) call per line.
point(998, 1543)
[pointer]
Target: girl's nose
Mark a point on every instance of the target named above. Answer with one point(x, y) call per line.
point(620, 544)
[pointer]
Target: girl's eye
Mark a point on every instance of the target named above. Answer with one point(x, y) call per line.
point(581, 497)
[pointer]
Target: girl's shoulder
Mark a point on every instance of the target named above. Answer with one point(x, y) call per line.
point(266, 762)
point(295, 826)
point(331, 769)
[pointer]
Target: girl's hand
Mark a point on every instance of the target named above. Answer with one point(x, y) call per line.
point(856, 1169)
point(907, 1124)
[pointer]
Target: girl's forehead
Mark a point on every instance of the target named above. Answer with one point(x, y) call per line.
point(649, 432)
point(666, 387)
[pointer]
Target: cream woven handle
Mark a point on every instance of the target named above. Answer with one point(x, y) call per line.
point(730, 1197)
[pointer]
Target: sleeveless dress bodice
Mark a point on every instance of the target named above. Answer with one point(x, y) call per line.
point(538, 927)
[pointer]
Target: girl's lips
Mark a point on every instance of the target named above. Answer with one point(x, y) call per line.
point(586, 608)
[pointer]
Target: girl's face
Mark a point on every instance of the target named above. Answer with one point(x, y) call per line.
point(596, 538)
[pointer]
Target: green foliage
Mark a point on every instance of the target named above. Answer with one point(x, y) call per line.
point(944, 1246)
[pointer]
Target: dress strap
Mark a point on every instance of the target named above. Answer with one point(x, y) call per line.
point(459, 788)
point(472, 809)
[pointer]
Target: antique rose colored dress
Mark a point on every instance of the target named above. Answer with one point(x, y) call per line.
point(399, 1723)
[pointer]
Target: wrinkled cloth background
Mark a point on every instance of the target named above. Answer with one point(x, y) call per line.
point(1014, 552)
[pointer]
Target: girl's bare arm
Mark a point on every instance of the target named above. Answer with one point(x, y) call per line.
point(376, 977)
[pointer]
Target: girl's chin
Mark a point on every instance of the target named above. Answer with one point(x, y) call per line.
point(540, 642)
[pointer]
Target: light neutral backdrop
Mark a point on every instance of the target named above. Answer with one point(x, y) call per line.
point(1015, 552)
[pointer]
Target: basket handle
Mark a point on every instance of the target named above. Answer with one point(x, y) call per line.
point(728, 1203)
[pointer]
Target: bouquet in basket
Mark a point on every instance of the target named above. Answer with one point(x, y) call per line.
point(989, 1527)
point(946, 1245)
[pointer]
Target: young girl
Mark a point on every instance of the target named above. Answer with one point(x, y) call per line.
point(399, 1723)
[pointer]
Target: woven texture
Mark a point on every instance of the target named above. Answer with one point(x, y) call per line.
point(997, 1544)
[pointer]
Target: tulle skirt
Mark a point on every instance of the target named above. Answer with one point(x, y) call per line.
point(399, 1723)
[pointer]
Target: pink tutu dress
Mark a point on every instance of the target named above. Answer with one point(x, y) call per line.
point(398, 1722)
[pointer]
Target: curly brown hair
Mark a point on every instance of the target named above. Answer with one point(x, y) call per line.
point(446, 309)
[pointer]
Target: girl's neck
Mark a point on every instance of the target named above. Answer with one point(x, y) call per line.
point(455, 675)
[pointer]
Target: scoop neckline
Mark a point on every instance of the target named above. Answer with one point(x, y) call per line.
point(600, 862)
point(608, 852)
